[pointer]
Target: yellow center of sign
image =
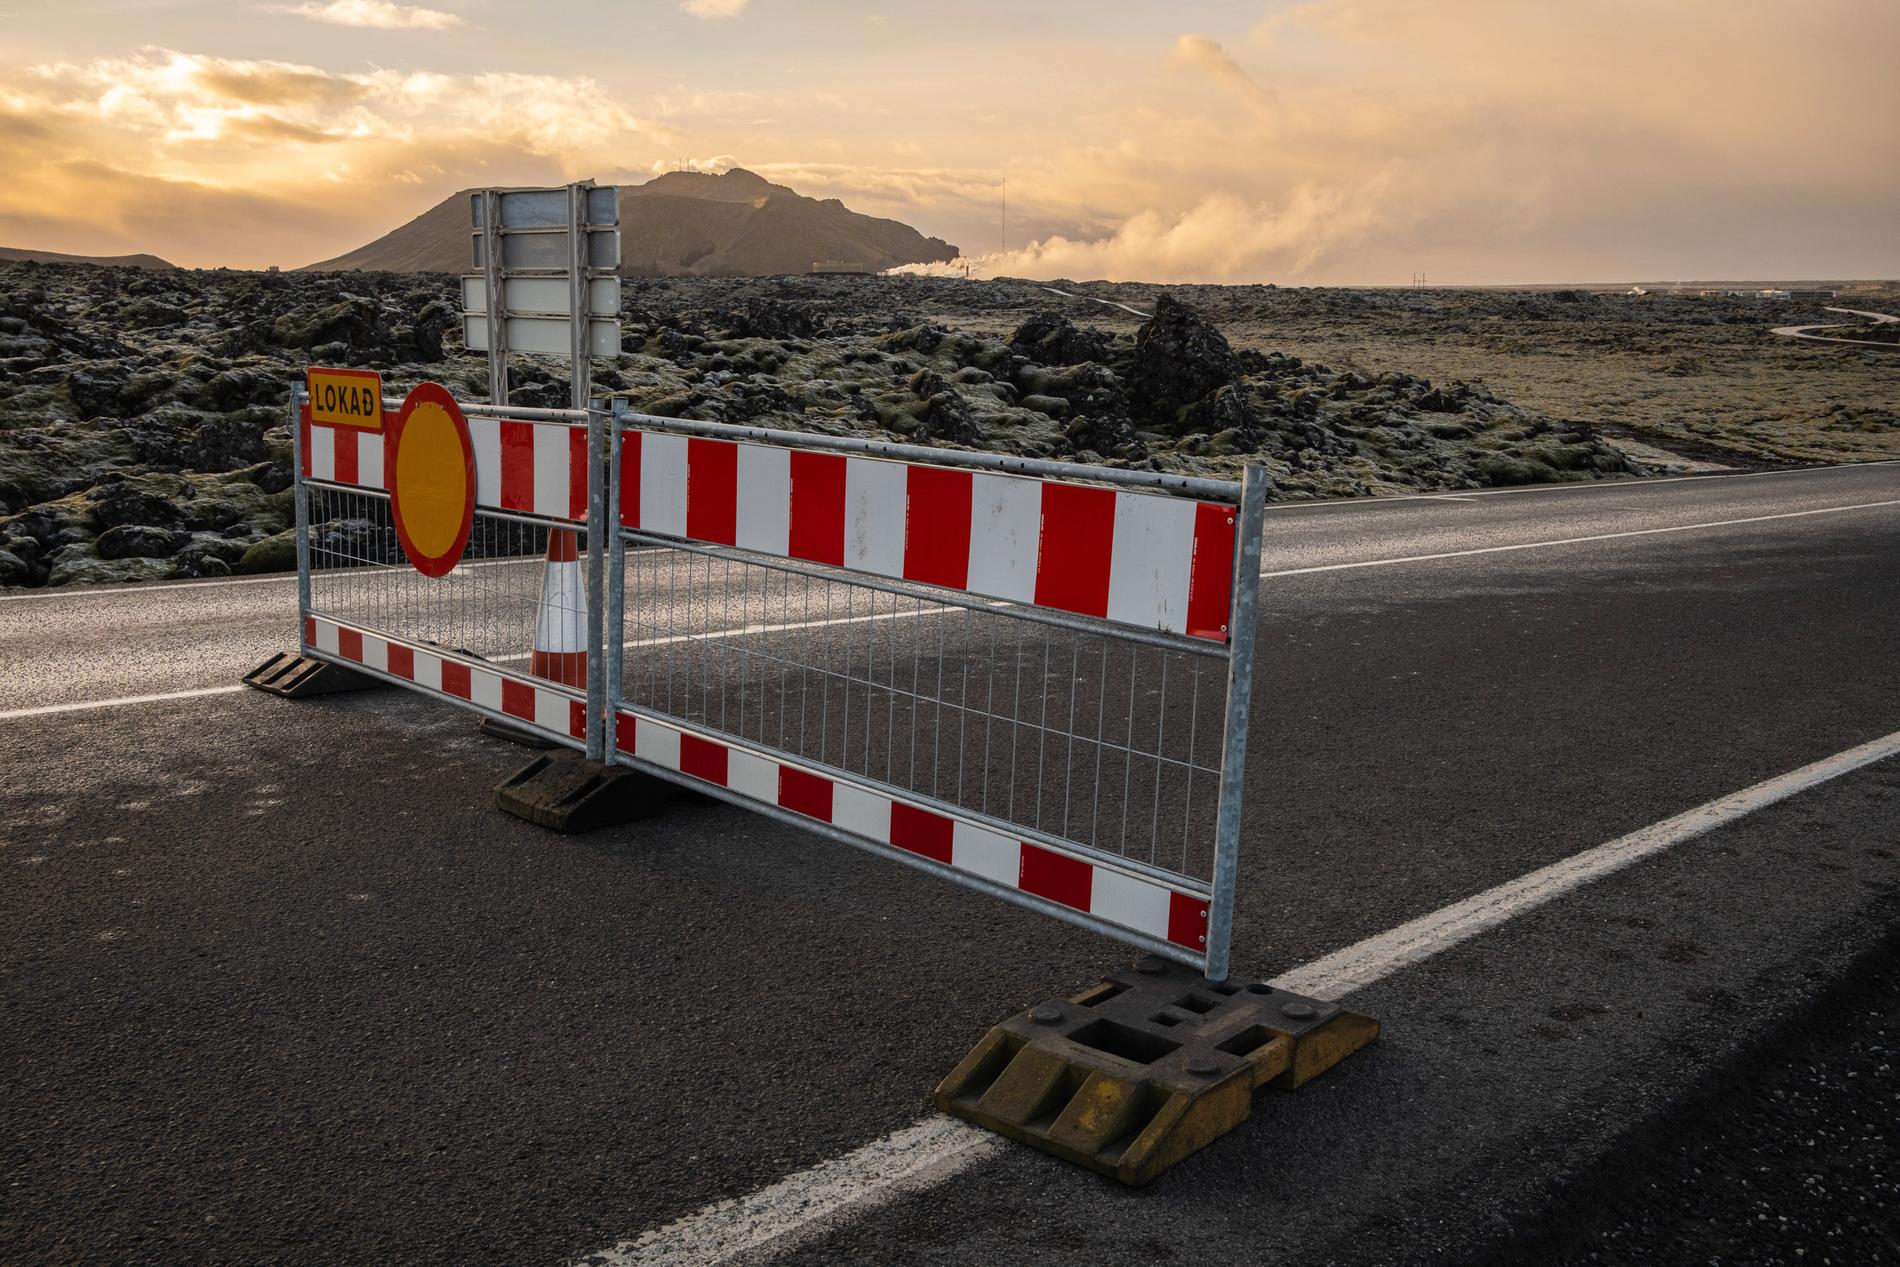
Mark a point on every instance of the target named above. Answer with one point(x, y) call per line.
point(431, 479)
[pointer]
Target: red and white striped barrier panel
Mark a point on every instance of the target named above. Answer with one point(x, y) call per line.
point(1136, 558)
point(529, 468)
point(880, 815)
point(560, 714)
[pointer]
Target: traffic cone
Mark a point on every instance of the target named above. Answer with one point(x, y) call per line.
point(560, 627)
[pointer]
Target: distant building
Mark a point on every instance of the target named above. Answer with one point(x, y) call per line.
point(842, 268)
point(1810, 294)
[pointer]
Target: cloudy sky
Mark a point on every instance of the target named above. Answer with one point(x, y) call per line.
point(1300, 142)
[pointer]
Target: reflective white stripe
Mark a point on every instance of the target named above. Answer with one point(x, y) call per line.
point(752, 776)
point(764, 499)
point(656, 743)
point(552, 711)
point(369, 459)
point(1122, 899)
point(982, 852)
point(663, 484)
point(561, 624)
point(1148, 568)
point(375, 653)
point(485, 436)
point(428, 670)
point(876, 498)
point(1005, 533)
point(484, 688)
point(866, 813)
point(326, 637)
point(551, 485)
point(323, 453)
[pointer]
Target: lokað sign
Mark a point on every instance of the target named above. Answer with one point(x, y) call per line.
point(345, 398)
point(431, 462)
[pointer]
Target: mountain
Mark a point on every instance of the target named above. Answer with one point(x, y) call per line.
point(14, 255)
point(733, 225)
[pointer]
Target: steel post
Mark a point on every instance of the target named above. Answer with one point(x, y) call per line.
point(614, 617)
point(598, 531)
point(492, 277)
point(1233, 770)
point(300, 499)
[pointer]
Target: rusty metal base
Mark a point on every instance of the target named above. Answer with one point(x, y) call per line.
point(1139, 1072)
point(295, 676)
point(568, 793)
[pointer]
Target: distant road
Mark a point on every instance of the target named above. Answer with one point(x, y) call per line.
point(280, 984)
point(1107, 303)
point(1807, 332)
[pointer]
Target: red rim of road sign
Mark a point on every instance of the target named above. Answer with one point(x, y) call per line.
point(444, 563)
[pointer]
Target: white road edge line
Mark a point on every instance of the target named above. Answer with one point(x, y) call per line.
point(1571, 541)
point(44, 710)
point(1632, 485)
point(802, 1205)
point(80, 706)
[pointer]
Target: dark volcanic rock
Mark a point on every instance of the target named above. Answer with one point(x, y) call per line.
point(764, 318)
point(1049, 338)
point(139, 541)
point(1179, 357)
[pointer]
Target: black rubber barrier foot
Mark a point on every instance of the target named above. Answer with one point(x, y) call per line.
point(568, 793)
point(515, 734)
point(296, 676)
point(1150, 1066)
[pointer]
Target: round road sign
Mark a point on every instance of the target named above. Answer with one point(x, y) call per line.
point(432, 479)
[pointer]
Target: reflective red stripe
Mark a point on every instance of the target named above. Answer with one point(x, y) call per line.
point(517, 699)
point(712, 490)
point(577, 473)
point(937, 526)
point(1211, 576)
point(1187, 921)
point(802, 793)
point(623, 733)
point(517, 466)
point(921, 832)
point(344, 439)
point(303, 424)
point(1057, 877)
point(402, 661)
point(1072, 566)
point(817, 522)
point(349, 644)
point(577, 719)
point(704, 759)
point(455, 679)
point(630, 479)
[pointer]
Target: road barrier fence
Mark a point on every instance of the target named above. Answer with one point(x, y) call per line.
point(1030, 678)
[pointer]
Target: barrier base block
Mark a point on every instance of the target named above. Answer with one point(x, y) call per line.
point(1137, 1073)
point(515, 734)
point(565, 792)
point(296, 676)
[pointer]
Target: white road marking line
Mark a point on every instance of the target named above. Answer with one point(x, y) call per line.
point(740, 632)
point(809, 1202)
point(187, 587)
point(1378, 957)
point(1571, 541)
point(81, 706)
point(920, 1155)
point(1630, 485)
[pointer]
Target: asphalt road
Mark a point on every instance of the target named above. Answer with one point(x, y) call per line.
point(280, 986)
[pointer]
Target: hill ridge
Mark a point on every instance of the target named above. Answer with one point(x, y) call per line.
point(735, 224)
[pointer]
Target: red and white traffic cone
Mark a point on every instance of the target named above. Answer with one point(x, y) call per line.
point(560, 627)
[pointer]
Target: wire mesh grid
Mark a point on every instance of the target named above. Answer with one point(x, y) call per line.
point(1076, 735)
point(504, 601)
